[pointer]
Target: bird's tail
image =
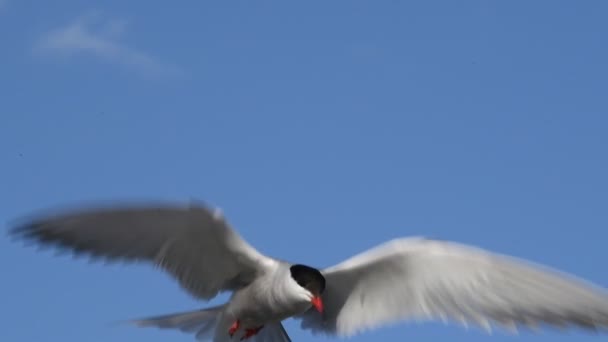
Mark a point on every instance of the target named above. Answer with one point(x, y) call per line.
point(200, 322)
point(212, 325)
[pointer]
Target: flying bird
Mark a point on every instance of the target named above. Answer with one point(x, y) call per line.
point(403, 279)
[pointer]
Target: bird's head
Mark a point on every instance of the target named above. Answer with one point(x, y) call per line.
point(311, 280)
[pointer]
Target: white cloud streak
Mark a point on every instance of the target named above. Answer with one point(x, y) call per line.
point(101, 38)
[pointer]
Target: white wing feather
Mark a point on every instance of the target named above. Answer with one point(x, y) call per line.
point(193, 243)
point(420, 279)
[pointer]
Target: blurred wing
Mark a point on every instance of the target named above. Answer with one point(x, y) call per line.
point(193, 243)
point(418, 279)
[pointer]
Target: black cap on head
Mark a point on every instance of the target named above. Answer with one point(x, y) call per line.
point(309, 278)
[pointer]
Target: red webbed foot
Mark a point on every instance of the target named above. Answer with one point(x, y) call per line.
point(251, 332)
point(234, 327)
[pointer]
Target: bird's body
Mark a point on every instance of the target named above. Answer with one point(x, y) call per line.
point(270, 298)
point(403, 279)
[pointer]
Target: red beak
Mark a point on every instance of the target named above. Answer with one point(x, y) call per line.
point(317, 303)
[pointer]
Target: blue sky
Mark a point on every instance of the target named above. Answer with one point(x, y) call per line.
point(322, 128)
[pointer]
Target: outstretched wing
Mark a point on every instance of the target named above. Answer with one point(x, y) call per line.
point(424, 279)
point(193, 243)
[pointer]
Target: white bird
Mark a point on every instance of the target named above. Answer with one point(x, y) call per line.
point(403, 279)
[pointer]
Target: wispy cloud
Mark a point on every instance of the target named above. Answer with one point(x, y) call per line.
point(90, 34)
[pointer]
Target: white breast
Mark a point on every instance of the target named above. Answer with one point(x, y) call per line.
point(271, 298)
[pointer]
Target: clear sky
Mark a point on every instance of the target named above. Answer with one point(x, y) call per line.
point(322, 128)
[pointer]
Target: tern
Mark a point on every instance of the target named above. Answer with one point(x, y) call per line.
point(403, 279)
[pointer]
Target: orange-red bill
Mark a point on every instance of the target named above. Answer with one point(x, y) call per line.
point(317, 303)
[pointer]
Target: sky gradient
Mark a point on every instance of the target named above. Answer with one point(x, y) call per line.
point(320, 128)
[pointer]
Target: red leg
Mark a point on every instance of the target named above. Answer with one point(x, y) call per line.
point(234, 327)
point(251, 332)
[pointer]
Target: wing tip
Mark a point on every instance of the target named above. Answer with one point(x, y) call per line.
point(25, 231)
